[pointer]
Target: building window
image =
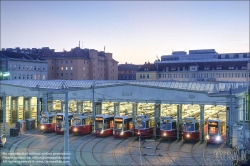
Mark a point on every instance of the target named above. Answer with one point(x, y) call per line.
point(83, 68)
point(71, 74)
point(34, 67)
point(43, 77)
point(140, 75)
point(227, 56)
point(43, 68)
point(34, 77)
point(207, 67)
point(52, 62)
point(243, 67)
point(27, 76)
point(66, 62)
point(71, 61)
point(218, 67)
point(71, 68)
point(23, 76)
point(193, 75)
point(38, 77)
point(31, 76)
point(61, 62)
point(236, 55)
point(61, 74)
point(52, 68)
point(19, 67)
point(27, 67)
point(56, 68)
point(66, 68)
point(231, 67)
point(61, 68)
point(57, 74)
point(244, 55)
point(31, 67)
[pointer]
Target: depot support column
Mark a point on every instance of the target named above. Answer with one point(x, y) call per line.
point(179, 121)
point(66, 132)
point(134, 113)
point(201, 123)
point(4, 112)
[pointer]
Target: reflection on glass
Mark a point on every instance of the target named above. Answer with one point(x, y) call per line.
point(188, 127)
point(59, 123)
point(98, 125)
point(212, 130)
point(166, 126)
point(77, 122)
point(118, 126)
point(44, 120)
point(140, 125)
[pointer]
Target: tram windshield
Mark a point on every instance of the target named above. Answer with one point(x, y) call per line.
point(98, 125)
point(213, 128)
point(188, 127)
point(140, 125)
point(59, 123)
point(118, 126)
point(44, 120)
point(77, 122)
point(166, 126)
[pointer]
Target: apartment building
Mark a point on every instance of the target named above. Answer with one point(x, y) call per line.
point(76, 64)
point(198, 65)
point(23, 66)
point(127, 71)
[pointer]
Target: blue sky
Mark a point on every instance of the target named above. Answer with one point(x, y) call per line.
point(135, 32)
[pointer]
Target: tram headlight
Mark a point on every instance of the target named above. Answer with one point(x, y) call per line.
point(42, 127)
point(75, 129)
point(207, 136)
point(102, 132)
point(188, 135)
point(218, 138)
point(138, 133)
point(122, 133)
point(165, 134)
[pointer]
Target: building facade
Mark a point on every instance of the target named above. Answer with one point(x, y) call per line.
point(77, 64)
point(198, 65)
point(127, 71)
point(23, 66)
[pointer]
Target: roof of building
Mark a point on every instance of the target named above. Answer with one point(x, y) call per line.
point(148, 67)
point(219, 65)
point(208, 87)
point(23, 56)
point(128, 67)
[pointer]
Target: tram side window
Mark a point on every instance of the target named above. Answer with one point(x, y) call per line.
point(83, 122)
point(148, 124)
point(197, 126)
point(173, 125)
point(152, 123)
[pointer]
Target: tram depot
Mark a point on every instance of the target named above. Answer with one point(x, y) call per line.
point(146, 109)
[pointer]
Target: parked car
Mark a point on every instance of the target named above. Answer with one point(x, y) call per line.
point(2, 140)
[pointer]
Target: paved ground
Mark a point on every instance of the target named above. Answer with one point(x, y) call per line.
point(36, 148)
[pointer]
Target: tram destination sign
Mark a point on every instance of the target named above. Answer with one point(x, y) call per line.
point(118, 120)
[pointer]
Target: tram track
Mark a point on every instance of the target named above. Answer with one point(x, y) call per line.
point(87, 148)
point(209, 152)
point(136, 151)
point(163, 147)
point(150, 152)
point(186, 153)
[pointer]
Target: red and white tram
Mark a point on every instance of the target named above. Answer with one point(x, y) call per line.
point(144, 126)
point(60, 123)
point(48, 122)
point(168, 127)
point(123, 127)
point(104, 125)
point(82, 123)
point(191, 129)
point(216, 131)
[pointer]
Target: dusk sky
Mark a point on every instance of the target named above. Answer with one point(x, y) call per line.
point(135, 32)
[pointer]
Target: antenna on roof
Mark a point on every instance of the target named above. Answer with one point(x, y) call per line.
point(79, 44)
point(104, 48)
